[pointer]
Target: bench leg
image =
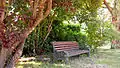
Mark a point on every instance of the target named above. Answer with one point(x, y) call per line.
point(88, 54)
point(66, 59)
point(54, 58)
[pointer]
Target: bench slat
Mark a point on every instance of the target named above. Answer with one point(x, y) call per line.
point(66, 49)
point(63, 43)
point(70, 46)
point(73, 53)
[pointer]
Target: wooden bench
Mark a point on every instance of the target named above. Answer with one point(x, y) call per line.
point(66, 49)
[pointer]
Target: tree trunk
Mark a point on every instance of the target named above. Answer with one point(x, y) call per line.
point(3, 57)
point(15, 56)
point(8, 57)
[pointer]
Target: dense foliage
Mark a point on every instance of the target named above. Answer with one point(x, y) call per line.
point(87, 31)
point(83, 25)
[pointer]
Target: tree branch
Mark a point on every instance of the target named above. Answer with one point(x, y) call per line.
point(31, 2)
point(2, 3)
point(109, 8)
point(36, 2)
point(48, 8)
point(2, 10)
point(40, 16)
point(2, 25)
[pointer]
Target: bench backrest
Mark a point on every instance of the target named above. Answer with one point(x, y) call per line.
point(65, 46)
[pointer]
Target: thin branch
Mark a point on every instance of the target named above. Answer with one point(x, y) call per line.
point(109, 8)
point(36, 2)
point(10, 2)
point(47, 12)
point(49, 7)
point(31, 2)
point(40, 17)
point(2, 3)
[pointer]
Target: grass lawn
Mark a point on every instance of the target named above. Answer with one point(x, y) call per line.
point(109, 57)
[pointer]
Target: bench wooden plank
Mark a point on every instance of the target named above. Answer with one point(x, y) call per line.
point(67, 43)
point(76, 52)
point(66, 46)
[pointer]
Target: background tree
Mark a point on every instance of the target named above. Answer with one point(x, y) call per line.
point(115, 13)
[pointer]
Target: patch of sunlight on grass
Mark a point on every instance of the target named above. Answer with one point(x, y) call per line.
point(19, 66)
point(33, 64)
point(62, 65)
point(119, 57)
point(30, 64)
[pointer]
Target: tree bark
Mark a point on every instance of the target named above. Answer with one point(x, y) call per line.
point(9, 56)
point(15, 56)
point(3, 56)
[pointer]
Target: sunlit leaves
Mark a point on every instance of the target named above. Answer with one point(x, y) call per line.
point(90, 5)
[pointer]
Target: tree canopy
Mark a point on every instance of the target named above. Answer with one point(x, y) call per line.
point(38, 20)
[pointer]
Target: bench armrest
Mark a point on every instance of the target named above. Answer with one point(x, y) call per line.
point(66, 53)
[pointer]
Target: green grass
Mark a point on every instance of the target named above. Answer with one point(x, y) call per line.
point(110, 57)
point(34, 64)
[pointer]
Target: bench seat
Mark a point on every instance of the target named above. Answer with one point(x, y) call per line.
point(75, 52)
